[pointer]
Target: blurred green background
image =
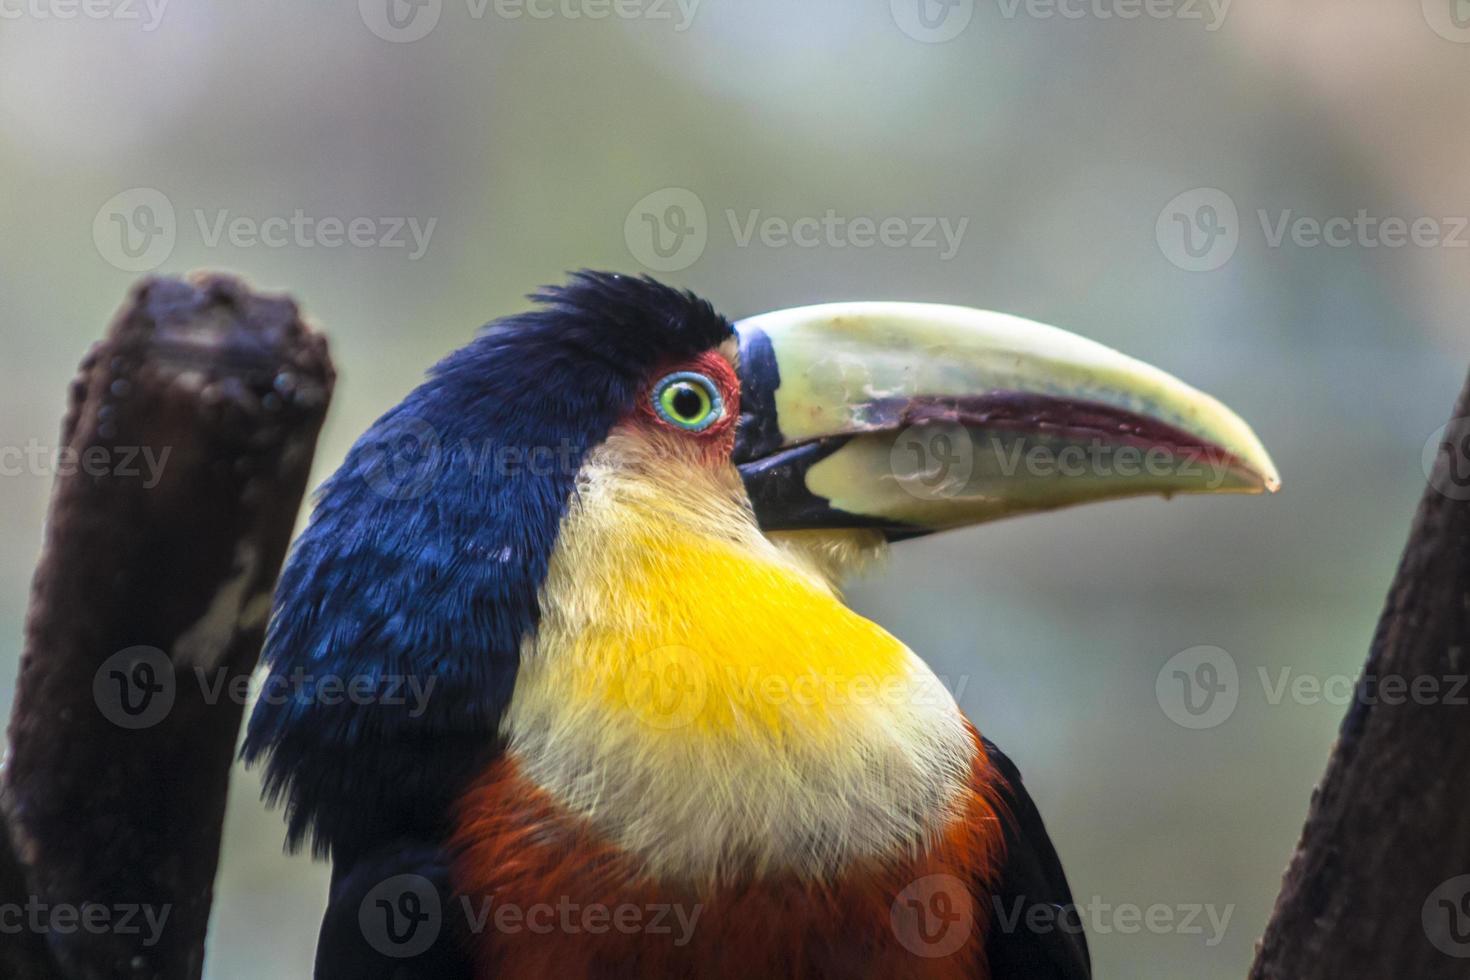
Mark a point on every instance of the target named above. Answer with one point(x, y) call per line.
point(1064, 136)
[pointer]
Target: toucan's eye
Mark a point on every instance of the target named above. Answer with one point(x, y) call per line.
point(688, 400)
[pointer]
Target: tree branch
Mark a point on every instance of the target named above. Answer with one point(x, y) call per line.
point(185, 453)
point(1374, 889)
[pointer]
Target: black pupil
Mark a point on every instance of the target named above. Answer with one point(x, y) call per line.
point(687, 403)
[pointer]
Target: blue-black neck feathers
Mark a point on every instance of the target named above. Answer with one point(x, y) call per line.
point(399, 618)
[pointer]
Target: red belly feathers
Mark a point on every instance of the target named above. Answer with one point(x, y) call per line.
point(547, 897)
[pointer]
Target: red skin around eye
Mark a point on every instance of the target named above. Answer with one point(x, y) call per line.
point(719, 439)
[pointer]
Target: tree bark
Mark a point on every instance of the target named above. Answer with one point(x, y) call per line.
point(184, 456)
point(1380, 883)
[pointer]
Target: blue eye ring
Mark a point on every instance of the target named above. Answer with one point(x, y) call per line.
point(687, 400)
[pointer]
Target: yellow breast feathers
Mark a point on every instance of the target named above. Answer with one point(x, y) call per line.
point(703, 696)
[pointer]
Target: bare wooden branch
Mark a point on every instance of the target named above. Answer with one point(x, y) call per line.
point(1380, 883)
point(23, 954)
point(183, 460)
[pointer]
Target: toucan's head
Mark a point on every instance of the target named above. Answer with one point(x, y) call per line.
point(859, 422)
point(622, 469)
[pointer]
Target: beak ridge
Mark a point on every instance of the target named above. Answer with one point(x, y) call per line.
point(916, 417)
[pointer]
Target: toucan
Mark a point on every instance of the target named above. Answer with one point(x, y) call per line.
point(605, 542)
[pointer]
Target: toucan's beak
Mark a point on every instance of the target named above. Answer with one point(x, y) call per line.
point(914, 417)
